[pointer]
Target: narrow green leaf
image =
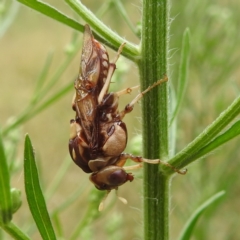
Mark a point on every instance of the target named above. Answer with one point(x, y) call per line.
point(51, 12)
point(91, 214)
point(33, 109)
point(68, 202)
point(113, 40)
point(173, 126)
point(7, 16)
point(183, 72)
point(130, 50)
point(43, 75)
point(34, 194)
point(51, 100)
point(30, 114)
point(190, 224)
point(58, 178)
point(121, 9)
point(231, 133)
point(14, 231)
point(187, 155)
point(59, 71)
point(5, 194)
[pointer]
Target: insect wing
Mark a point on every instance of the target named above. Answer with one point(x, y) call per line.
point(86, 86)
point(90, 62)
point(93, 71)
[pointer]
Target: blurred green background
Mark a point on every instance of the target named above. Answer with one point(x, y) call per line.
point(213, 83)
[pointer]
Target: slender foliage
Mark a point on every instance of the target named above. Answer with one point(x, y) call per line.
point(5, 195)
point(34, 193)
point(161, 110)
point(190, 224)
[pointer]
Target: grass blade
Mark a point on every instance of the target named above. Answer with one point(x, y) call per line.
point(53, 13)
point(43, 75)
point(7, 16)
point(121, 9)
point(187, 155)
point(231, 133)
point(111, 38)
point(51, 100)
point(5, 195)
point(183, 71)
point(189, 226)
point(34, 194)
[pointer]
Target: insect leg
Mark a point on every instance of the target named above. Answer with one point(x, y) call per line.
point(139, 159)
point(129, 107)
point(126, 91)
point(111, 70)
point(134, 167)
point(122, 160)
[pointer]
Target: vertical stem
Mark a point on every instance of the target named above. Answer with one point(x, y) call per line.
point(153, 66)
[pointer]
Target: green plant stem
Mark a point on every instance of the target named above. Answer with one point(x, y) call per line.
point(14, 231)
point(153, 66)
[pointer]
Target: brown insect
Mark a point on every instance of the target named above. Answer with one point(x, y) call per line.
point(98, 134)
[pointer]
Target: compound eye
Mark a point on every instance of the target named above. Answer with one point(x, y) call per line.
point(110, 177)
point(117, 178)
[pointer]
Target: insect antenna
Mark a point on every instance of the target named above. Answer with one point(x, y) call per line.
point(123, 200)
point(101, 205)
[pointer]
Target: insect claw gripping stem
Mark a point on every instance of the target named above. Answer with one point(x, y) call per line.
point(182, 172)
